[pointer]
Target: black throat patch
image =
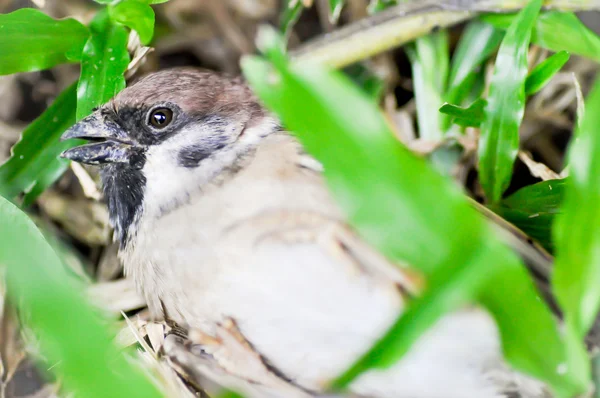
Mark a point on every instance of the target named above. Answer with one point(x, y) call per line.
point(124, 193)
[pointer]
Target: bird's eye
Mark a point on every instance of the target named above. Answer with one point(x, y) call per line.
point(160, 117)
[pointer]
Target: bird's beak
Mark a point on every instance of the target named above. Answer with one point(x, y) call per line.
point(110, 143)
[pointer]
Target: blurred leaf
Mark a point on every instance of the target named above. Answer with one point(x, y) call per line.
point(477, 44)
point(577, 228)
point(449, 242)
point(472, 116)
point(429, 58)
point(335, 9)
point(46, 178)
point(104, 61)
point(544, 71)
point(30, 40)
point(135, 15)
point(557, 31)
point(380, 5)
point(499, 139)
point(289, 17)
point(533, 208)
point(72, 334)
point(366, 79)
point(35, 155)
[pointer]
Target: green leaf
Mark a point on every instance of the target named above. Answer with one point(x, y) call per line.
point(290, 16)
point(472, 116)
point(135, 15)
point(477, 44)
point(499, 139)
point(429, 58)
point(379, 5)
point(335, 9)
point(533, 209)
point(371, 84)
point(71, 333)
point(36, 153)
point(45, 179)
point(411, 213)
point(544, 71)
point(557, 31)
point(103, 64)
point(30, 40)
point(577, 228)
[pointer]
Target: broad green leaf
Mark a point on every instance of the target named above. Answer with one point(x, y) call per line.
point(37, 151)
point(135, 15)
point(533, 209)
point(557, 31)
point(71, 333)
point(429, 58)
point(544, 71)
point(499, 139)
point(335, 9)
point(576, 278)
point(478, 42)
point(472, 116)
point(410, 213)
point(290, 16)
point(30, 40)
point(103, 64)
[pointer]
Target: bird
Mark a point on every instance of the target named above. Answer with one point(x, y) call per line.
point(225, 223)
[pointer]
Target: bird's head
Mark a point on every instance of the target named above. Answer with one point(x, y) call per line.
point(166, 136)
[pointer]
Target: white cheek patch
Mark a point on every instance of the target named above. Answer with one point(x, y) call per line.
point(182, 164)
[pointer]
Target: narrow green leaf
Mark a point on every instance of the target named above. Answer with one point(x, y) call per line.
point(577, 229)
point(72, 335)
point(46, 178)
point(290, 16)
point(533, 209)
point(557, 31)
point(544, 71)
point(429, 58)
point(335, 9)
point(499, 140)
point(477, 44)
point(103, 64)
point(30, 40)
point(36, 153)
point(406, 198)
point(472, 116)
point(135, 15)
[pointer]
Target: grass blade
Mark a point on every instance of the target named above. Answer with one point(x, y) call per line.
point(577, 229)
point(335, 9)
point(429, 58)
point(104, 61)
point(37, 151)
point(70, 331)
point(557, 31)
point(544, 71)
point(449, 242)
point(477, 44)
point(472, 116)
point(499, 140)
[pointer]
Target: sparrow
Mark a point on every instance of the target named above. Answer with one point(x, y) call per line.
point(225, 224)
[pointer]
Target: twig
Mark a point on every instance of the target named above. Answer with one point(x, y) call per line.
point(406, 22)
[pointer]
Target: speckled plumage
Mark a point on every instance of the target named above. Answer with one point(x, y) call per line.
point(235, 223)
